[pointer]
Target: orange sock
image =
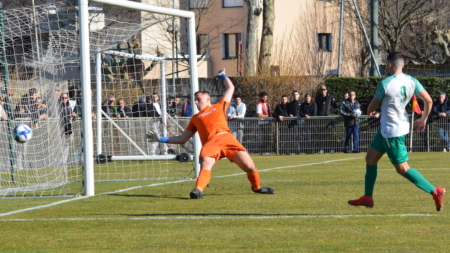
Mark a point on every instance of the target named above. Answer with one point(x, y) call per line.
point(254, 180)
point(203, 179)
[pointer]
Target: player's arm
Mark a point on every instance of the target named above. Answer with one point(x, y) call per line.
point(153, 136)
point(373, 105)
point(229, 87)
point(427, 104)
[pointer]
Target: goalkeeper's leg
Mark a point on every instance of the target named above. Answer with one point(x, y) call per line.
point(245, 162)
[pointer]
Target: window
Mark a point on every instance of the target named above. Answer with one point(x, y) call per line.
point(230, 45)
point(324, 42)
point(202, 44)
point(232, 3)
point(198, 4)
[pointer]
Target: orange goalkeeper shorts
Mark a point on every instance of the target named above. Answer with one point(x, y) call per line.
point(220, 146)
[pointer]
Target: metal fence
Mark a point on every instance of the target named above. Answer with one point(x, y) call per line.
point(326, 135)
point(258, 135)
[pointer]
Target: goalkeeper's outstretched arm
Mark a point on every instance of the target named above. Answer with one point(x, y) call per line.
point(229, 87)
point(153, 136)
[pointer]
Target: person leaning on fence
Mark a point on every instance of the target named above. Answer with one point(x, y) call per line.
point(351, 122)
point(264, 127)
point(394, 93)
point(110, 107)
point(217, 141)
point(237, 110)
point(281, 111)
point(307, 110)
point(326, 104)
point(186, 110)
point(42, 109)
point(3, 105)
point(441, 108)
point(123, 111)
point(66, 114)
point(294, 111)
point(27, 107)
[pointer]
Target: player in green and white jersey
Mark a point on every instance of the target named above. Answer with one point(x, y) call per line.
point(394, 93)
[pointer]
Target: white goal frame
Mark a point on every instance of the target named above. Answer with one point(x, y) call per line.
point(88, 138)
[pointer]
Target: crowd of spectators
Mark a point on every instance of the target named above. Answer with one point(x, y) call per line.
point(67, 107)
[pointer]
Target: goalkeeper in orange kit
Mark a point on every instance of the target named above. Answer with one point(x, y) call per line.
point(218, 142)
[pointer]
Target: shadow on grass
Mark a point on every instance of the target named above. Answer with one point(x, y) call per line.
point(216, 214)
point(148, 196)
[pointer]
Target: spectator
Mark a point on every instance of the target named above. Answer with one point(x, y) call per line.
point(27, 107)
point(154, 111)
point(178, 106)
point(307, 109)
point(346, 96)
point(66, 114)
point(263, 111)
point(441, 108)
point(109, 106)
point(325, 105)
point(3, 114)
point(237, 111)
point(294, 111)
point(42, 109)
point(187, 108)
point(139, 109)
point(294, 105)
point(171, 107)
point(351, 122)
point(4, 103)
point(123, 111)
point(325, 102)
point(156, 106)
point(281, 111)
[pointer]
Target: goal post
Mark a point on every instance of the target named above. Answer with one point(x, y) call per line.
point(86, 76)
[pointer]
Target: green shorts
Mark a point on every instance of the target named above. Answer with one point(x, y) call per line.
point(394, 147)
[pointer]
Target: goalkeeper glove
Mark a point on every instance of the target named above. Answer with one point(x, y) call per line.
point(221, 74)
point(153, 136)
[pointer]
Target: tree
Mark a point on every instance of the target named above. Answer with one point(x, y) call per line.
point(265, 53)
point(251, 43)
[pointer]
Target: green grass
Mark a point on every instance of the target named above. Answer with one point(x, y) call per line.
point(309, 212)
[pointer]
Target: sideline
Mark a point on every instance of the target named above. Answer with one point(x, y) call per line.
point(159, 184)
point(231, 217)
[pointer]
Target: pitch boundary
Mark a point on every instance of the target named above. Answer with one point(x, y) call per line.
point(230, 217)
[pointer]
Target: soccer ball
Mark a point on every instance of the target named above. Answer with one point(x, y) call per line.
point(22, 133)
point(357, 112)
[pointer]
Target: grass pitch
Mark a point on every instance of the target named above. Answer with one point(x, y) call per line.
point(308, 213)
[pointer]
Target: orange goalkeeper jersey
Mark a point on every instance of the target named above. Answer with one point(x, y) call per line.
point(210, 121)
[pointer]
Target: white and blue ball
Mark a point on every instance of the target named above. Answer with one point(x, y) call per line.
point(357, 112)
point(22, 133)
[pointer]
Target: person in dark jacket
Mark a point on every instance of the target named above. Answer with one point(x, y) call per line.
point(351, 121)
point(307, 109)
point(281, 111)
point(66, 114)
point(123, 111)
point(294, 105)
point(325, 102)
point(325, 107)
point(441, 108)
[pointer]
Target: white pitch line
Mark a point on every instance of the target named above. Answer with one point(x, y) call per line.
point(230, 217)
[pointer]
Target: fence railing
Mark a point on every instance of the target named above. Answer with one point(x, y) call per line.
point(258, 135)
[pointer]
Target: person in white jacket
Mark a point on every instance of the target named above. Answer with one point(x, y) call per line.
point(237, 111)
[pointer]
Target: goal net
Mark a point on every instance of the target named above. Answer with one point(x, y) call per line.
point(43, 84)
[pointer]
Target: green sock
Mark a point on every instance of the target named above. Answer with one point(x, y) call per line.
point(416, 178)
point(371, 177)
